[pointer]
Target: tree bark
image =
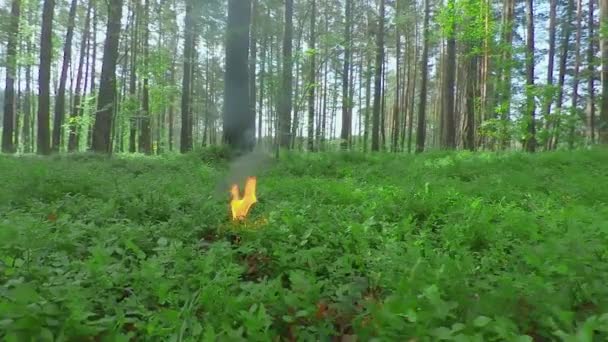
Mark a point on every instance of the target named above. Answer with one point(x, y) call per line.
point(378, 80)
point(424, 64)
point(591, 73)
point(8, 145)
point(346, 119)
point(530, 141)
point(448, 85)
point(107, 84)
point(145, 138)
point(44, 80)
point(603, 123)
point(285, 105)
point(186, 118)
point(311, 77)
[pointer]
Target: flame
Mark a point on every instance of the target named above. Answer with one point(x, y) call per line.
point(240, 206)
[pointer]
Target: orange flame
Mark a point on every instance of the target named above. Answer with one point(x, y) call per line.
point(240, 206)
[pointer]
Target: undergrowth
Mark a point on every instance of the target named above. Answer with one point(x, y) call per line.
point(445, 246)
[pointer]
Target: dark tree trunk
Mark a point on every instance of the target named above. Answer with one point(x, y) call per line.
point(285, 105)
point(186, 118)
point(145, 138)
point(421, 129)
point(8, 145)
point(239, 123)
point(346, 119)
point(44, 95)
point(378, 80)
point(27, 106)
point(60, 98)
point(107, 84)
point(530, 142)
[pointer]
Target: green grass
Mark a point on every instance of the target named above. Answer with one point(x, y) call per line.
point(455, 246)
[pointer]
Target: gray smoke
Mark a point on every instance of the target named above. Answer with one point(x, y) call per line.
point(249, 164)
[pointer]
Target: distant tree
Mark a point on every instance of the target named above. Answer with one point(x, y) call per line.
point(530, 142)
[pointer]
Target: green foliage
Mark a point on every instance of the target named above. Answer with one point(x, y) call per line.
point(445, 246)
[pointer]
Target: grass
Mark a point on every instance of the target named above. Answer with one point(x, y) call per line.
point(452, 246)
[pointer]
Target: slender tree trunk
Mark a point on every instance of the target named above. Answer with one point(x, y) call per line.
point(285, 105)
point(94, 101)
point(253, 54)
point(27, 104)
point(145, 138)
point(505, 81)
point(8, 145)
point(46, 47)
point(261, 94)
point(186, 128)
point(107, 84)
point(60, 97)
point(563, 68)
point(75, 113)
point(421, 129)
point(530, 141)
point(311, 77)
point(346, 120)
point(576, 80)
point(603, 123)
point(448, 85)
point(396, 105)
point(378, 80)
point(591, 73)
point(548, 100)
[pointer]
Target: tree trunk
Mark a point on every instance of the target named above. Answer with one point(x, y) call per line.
point(8, 145)
point(449, 71)
point(378, 80)
point(239, 123)
point(505, 80)
point(530, 141)
point(107, 84)
point(27, 104)
point(145, 138)
point(311, 78)
point(285, 104)
point(548, 100)
point(563, 66)
point(603, 124)
point(346, 119)
point(46, 47)
point(396, 105)
point(60, 97)
point(591, 73)
point(424, 64)
point(186, 128)
point(253, 45)
point(576, 76)
point(75, 113)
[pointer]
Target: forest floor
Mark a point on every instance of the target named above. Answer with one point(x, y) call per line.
point(455, 246)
